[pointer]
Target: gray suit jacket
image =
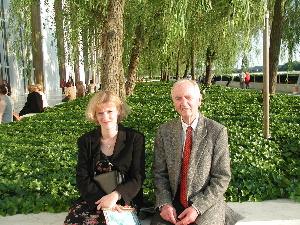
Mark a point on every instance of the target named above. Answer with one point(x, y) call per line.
point(209, 173)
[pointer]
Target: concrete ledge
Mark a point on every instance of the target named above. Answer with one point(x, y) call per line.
point(273, 222)
point(275, 212)
point(271, 212)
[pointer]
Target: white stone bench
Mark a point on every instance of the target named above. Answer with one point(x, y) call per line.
point(271, 212)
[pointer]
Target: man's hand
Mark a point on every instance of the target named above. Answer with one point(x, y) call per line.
point(168, 213)
point(188, 216)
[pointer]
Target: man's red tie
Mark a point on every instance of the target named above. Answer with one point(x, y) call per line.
point(185, 166)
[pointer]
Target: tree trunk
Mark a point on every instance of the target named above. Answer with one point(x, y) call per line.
point(208, 70)
point(275, 42)
point(193, 62)
point(60, 39)
point(112, 44)
point(96, 57)
point(187, 65)
point(97, 66)
point(75, 42)
point(85, 52)
point(36, 38)
point(76, 58)
point(76, 68)
point(134, 60)
point(177, 65)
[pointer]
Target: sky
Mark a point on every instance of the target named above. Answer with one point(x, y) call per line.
point(256, 54)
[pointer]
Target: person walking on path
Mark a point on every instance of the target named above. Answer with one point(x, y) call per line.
point(242, 79)
point(247, 79)
point(191, 164)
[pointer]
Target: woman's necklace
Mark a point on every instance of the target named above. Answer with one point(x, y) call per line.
point(107, 145)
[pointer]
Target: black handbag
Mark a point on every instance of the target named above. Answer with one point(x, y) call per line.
point(109, 181)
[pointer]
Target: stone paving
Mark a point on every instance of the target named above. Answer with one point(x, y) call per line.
point(271, 212)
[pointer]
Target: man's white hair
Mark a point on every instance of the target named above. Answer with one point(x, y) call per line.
point(193, 84)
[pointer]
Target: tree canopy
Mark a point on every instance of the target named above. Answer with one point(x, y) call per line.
point(159, 37)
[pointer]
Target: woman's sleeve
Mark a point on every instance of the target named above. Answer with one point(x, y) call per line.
point(88, 189)
point(136, 173)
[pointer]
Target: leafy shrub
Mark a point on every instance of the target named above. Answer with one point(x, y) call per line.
point(38, 154)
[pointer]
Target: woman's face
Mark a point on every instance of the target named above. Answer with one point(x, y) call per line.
point(107, 115)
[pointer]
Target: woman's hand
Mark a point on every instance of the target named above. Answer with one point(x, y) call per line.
point(108, 201)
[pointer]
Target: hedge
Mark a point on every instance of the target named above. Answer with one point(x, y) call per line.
point(38, 154)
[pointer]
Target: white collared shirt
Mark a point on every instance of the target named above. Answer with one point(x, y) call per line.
point(185, 126)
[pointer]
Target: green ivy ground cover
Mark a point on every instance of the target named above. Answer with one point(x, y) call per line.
point(38, 154)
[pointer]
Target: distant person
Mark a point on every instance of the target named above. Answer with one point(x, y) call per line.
point(7, 85)
point(6, 105)
point(91, 87)
point(44, 98)
point(242, 79)
point(247, 79)
point(229, 79)
point(80, 89)
point(34, 102)
point(70, 92)
point(2, 108)
point(70, 80)
point(63, 85)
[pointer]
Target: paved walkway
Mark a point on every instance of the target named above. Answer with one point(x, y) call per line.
point(272, 212)
point(280, 88)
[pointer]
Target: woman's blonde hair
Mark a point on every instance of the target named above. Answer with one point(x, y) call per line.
point(39, 87)
point(32, 88)
point(105, 97)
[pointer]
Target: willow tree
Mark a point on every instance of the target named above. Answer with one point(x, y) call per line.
point(285, 29)
point(229, 27)
point(136, 17)
point(25, 30)
point(37, 48)
point(190, 33)
point(164, 38)
point(291, 28)
point(134, 60)
point(19, 28)
point(112, 49)
point(275, 42)
point(59, 31)
point(92, 17)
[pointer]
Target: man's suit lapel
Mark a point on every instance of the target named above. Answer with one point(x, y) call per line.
point(199, 144)
point(175, 145)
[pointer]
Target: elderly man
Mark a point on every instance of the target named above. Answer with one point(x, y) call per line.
point(191, 164)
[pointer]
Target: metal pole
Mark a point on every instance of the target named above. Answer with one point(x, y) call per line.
point(266, 96)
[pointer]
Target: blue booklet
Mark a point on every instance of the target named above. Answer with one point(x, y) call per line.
point(128, 216)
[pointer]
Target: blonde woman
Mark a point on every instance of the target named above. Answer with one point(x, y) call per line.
point(34, 103)
point(109, 146)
